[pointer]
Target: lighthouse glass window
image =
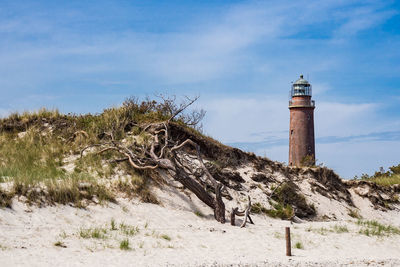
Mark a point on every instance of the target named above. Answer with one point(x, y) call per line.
point(300, 90)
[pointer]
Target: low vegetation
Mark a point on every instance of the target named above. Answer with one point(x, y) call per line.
point(282, 201)
point(299, 245)
point(124, 244)
point(199, 214)
point(382, 177)
point(128, 229)
point(374, 228)
point(340, 229)
point(97, 233)
point(278, 210)
point(40, 152)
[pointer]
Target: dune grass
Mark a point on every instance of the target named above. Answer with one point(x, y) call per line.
point(33, 163)
point(386, 180)
point(96, 233)
point(374, 228)
point(34, 148)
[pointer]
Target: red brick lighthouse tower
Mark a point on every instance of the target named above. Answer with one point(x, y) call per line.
point(301, 132)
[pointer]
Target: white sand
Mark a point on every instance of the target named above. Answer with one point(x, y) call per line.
point(28, 234)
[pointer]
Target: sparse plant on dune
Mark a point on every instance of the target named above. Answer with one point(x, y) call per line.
point(374, 228)
point(382, 177)
point(124, 245)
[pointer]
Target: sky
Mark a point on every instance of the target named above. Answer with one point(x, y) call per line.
point(240, 57)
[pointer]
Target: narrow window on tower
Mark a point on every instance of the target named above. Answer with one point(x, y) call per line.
point(291, 132)
point(308, 117)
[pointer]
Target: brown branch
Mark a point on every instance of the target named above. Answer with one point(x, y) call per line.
point(134, 165)
point(183, 107)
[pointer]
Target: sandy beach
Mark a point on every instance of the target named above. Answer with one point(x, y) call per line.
point(177, 236)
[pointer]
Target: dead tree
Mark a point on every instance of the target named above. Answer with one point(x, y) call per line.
point(162, 152)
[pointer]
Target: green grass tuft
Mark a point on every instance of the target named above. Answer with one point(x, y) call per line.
point(299, 245)
point(374, 228)
point(113, 225)
point(128, 229)
point(124, 245)
point(279, 210)
point(340, 229)
point(97, 233)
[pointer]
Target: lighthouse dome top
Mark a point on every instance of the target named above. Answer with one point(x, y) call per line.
point(302, 81)
point(301, 87)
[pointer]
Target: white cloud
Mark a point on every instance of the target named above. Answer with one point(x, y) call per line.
point(256, 119)
point(237, 119)
point(361, 18)
point(340, 119)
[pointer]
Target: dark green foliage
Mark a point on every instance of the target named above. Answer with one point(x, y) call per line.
point(283, 200)
point(287, 194)
point(5, 199)
point(283, 212)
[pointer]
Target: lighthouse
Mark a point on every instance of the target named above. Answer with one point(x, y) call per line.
point(301, 131)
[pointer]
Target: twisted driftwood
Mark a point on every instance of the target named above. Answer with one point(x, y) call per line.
point(245, 213)
point(162, 152)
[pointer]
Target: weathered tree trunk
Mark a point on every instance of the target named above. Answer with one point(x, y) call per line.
point(219, 211)
point(195, 187)
point(233, 214)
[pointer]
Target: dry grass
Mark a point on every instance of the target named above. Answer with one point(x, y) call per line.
point(35, 145)
point(386, 180)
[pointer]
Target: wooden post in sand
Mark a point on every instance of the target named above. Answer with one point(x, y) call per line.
point(288, 245)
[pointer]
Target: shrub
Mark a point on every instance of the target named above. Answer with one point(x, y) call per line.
point(287, 194)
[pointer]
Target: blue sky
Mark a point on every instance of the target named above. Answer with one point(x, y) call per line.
point(239, 56)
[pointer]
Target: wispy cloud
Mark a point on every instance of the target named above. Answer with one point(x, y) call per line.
point(241, 58)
